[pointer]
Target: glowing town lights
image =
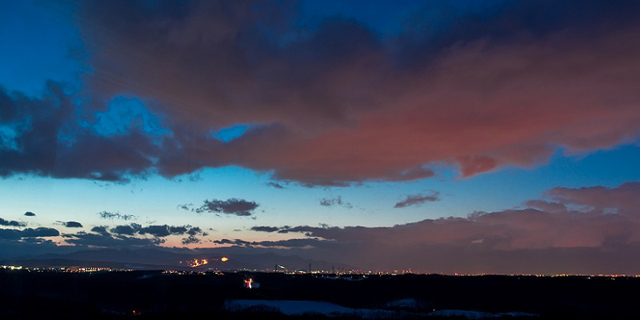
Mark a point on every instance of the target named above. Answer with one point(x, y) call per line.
point(196, 262)
point(224, 259)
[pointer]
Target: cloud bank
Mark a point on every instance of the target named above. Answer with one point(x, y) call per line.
point(332, 103)
point(588, 229)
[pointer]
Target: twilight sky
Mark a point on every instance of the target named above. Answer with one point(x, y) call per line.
point(442, 136)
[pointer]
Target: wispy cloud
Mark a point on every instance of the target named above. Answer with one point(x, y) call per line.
point(337, 201)
point(116, 215)
point(418, 199)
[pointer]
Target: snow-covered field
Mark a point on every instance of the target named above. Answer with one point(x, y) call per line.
point(294, 307)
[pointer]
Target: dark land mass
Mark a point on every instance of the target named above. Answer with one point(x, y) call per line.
point(28, 294)
point(167, 259)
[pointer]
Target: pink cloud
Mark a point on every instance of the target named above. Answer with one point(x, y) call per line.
point(512, 236)
point(337, 103)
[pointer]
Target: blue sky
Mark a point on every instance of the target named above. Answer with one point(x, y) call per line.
point(316, 114)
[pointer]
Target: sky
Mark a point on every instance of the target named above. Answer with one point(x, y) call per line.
point(441, 136)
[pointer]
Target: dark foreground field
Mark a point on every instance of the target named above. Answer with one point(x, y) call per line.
point(152, 295)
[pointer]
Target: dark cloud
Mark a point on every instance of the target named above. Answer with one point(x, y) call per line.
point(158, 231)
point(13, 234)
point(330, 202)
point(238, 207)
point(102, 230)
point(334, 103)
point(49, 142)
point(190, 240)
point(29, 214)
point(265, 229)
point(283, 244)
point(418, 199)
point(106, 240)
point(126, 229)
point(195, 230)
point(275, 185)
point(511, 59)
point(287, 229)
point(11, 223)
point(71, 224)
point(235, 242)
point(116, 215)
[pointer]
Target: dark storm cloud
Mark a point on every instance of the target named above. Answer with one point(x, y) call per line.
point(418, 199)
point(11, 223)
point(530, 70)
point(233, 206)
point(116, 215)
point(539, 74)
point(330, 202)
point(46, 140)
point(334, 103)
point(29, 214)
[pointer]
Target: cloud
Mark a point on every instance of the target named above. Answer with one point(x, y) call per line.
point(102, 230)
point(29, 214)
point(418, 199)
point(13, 234)
point(162, 230)
point(158, 231)
point(233, 206)
point(71, 224)
point(624, 197)
point(573, 229)
point(190, 240)
point(126, 229)
point(265, 229)
point(330, 202)
point(11, 223)
point(378, 107)
point(288, 229)
point(45, 138)
point(282, 244)
point(116, 215)
point(537, 86)
point(275, 185)
point(106, 240)
point(195, 231)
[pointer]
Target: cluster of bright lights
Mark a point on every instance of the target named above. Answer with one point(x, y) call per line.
point(200, 262)
point(72, 269)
